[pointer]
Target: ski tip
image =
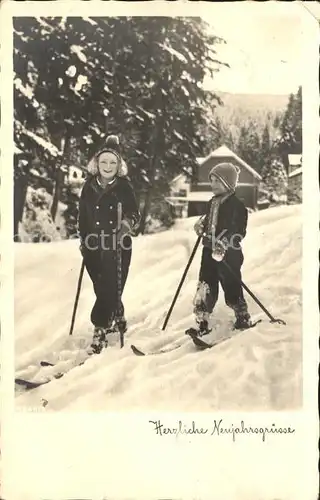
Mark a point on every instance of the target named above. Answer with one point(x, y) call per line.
point(137, 351)
point(46, 363)
point(201, 344)
point(28, 385)
point(192, 332)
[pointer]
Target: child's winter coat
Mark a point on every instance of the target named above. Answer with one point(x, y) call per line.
point(229, 227)
point(97, 229)
point(224, 223)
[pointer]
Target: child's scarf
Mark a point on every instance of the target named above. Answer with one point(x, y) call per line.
point(213, 214)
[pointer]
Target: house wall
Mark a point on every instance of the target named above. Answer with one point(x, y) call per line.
point(180, 186)
point(248, 194)
point(247, 189)
point(203, 172)
point(197, 208)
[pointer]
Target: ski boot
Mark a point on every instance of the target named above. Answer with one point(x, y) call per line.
point(99, 341)
point(243, 321)
point(203, 329)
point(120, 325)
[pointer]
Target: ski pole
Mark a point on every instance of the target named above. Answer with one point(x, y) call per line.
point(181, 282)
point(119, 320)
point(77, 297)
point(273, 320)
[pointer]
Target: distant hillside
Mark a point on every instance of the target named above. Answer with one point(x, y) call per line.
point(249, 110)
point(253, 102)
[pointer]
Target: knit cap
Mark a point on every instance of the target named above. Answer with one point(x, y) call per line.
point(112, 145)
point(227, 173)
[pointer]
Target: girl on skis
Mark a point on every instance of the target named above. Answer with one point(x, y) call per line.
point(222, 228)
point(99, 232)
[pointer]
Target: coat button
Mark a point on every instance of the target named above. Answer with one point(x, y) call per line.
point(111, 207)
point(97, 207)
point(97, 223)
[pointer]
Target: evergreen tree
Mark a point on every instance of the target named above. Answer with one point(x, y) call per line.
point(71, 213)
point(140, 78)
point(265, 151)
point(248, 147)
point(290, 138)
point(275, 178)
point(230, 141)
point(216, 135)
point(277, 121)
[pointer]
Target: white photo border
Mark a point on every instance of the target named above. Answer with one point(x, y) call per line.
point(86, 455)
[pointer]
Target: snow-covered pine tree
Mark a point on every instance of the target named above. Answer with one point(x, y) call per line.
point(290, 137)
point(37, 222)
point(248, 147)
point(96, 76)
point(275, 180)
point(265, 152)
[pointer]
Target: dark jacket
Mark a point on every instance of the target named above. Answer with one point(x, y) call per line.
point(98, 211)
point(232, 222)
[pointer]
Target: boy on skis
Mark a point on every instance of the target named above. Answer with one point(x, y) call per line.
point(222, 228)
point(100, 234)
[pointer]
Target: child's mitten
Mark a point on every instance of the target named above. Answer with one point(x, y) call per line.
point(219, 251)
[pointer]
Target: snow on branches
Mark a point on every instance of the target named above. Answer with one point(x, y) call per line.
point(46, 145)
point(174, 52)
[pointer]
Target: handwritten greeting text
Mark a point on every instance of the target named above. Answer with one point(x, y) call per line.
point(218, 428)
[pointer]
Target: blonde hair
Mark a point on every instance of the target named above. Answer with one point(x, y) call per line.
point(94, 170)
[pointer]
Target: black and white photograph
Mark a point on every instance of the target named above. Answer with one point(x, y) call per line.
point(158, 213)
point(162, 186)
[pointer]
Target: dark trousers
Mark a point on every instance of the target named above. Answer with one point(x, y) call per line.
point(102, 269)
point(213, 273)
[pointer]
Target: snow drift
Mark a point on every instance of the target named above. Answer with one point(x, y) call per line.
point(259, 369)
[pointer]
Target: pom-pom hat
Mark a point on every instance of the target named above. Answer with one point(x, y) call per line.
point(227, 173)
point(112, 145)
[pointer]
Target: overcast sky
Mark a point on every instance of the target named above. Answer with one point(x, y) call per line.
point(264, 52)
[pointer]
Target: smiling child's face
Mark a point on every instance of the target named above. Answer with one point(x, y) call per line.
point(108, 165)
point(217, 186)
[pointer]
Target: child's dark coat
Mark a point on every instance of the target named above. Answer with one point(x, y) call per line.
point(231, 224)
point(97, 229)
point(231, 227)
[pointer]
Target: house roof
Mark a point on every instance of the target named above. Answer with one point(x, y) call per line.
point(295, 159)
point(225, 151)
point(297, 171)
point(182, 175)
point(222, 151)
point(177, 178)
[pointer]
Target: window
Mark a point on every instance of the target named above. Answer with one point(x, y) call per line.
point(182, 192)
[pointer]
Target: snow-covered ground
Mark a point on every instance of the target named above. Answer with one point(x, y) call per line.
point(259, 369)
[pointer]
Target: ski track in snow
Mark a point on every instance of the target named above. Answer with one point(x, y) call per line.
point(259, 369)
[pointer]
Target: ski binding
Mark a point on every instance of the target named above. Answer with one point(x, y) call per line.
point(202, 344)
